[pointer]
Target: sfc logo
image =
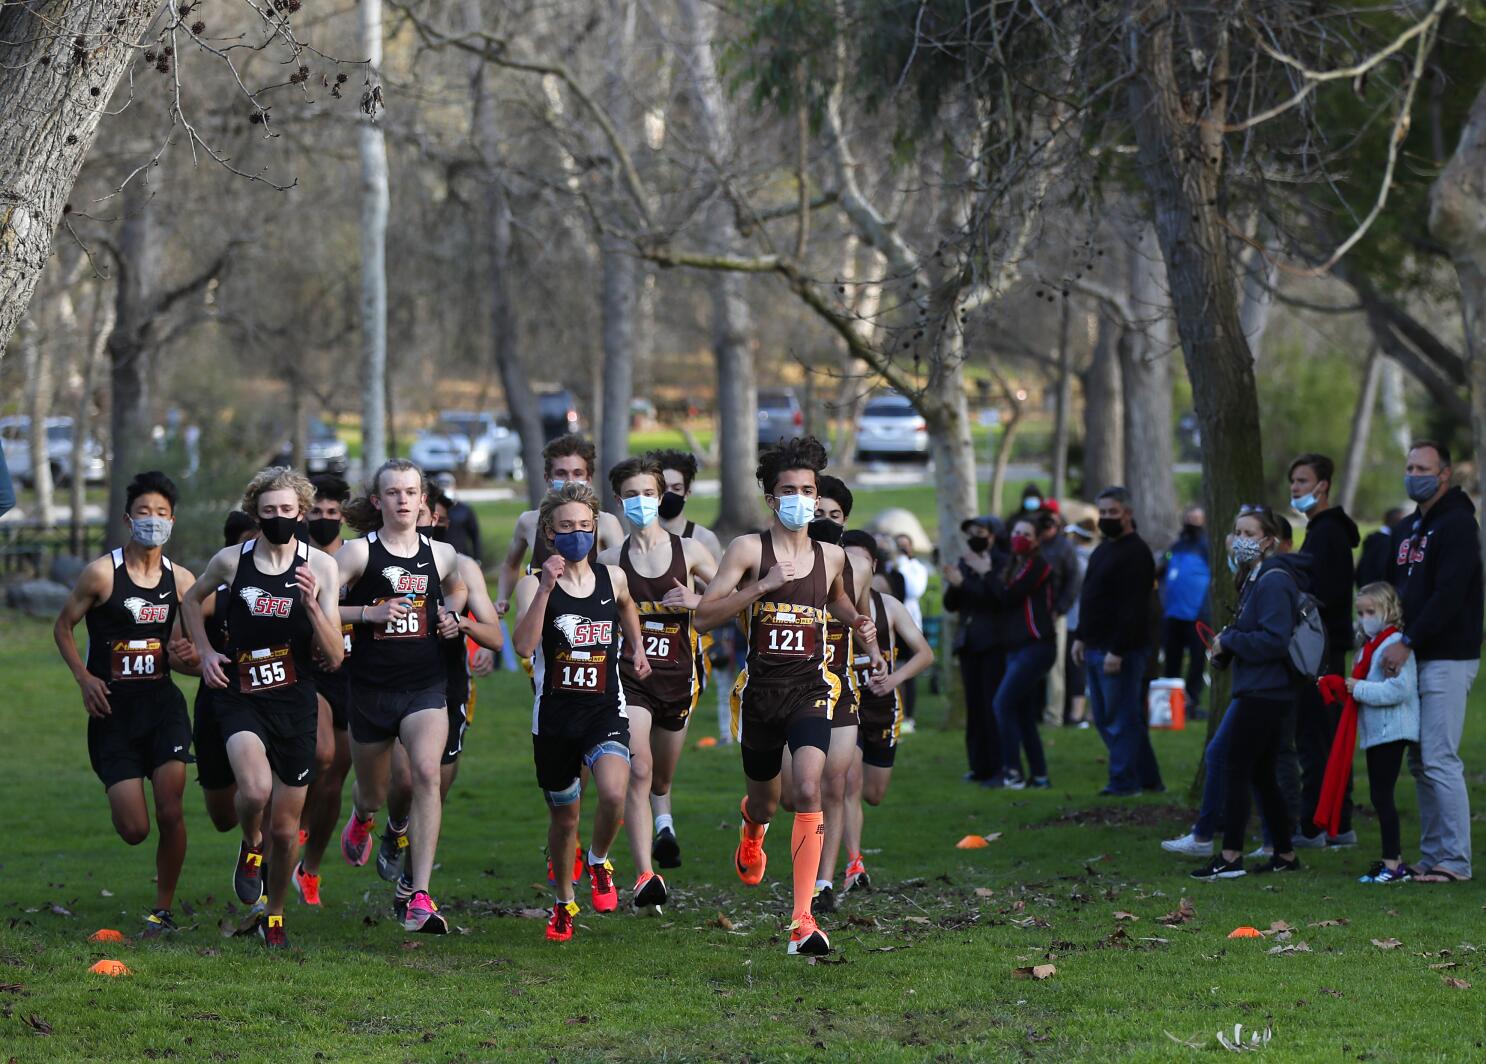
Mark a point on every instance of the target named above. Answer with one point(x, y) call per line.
point(581, 632)
point(262, 604)
point(403, 581)
point(147, 612)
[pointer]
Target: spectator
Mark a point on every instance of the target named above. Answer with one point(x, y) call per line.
point(7, 489)
point(1112, 641)
point(1067, 578)
point(1075, 679)
point(1022, 587)
point(915, 583)
point(1257, 645)
point(1375, 561)
point(1442, 605)
point(967, 592)
point(1185, 603)
point(1031, 500)
point(1330, 538)
point(464, 525)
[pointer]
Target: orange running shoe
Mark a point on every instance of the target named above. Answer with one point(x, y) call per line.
point(856, 876)
point(650, 894)
point(578, 865)
point(307, 885)
point(807, 939)
point(749, 860)
point(356, 839)
point(601, 883)
point(560, 923)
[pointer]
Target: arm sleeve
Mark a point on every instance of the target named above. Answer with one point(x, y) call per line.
point(7, 490)
point(1134, 610)
point(1458, 559)
point(971, 594)
point(1274, 607)
point(1017, 590)
point(1070, 573)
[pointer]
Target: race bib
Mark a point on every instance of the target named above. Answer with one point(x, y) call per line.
point(667, 642)
point(581, 672)
point(265, 669)
point(786, 634)
point(413, 625)
point(346, 630)
point(837, 641)
point(137, 659)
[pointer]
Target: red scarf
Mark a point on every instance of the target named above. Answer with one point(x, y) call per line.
point(1328, 814)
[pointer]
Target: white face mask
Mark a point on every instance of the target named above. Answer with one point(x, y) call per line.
point(1372, 625)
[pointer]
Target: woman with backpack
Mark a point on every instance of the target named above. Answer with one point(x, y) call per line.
point(1257, 646)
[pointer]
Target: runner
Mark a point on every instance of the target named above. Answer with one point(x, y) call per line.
point(784, 694)
point(567, 459)
point(680, 469)
point(322, 806)
point(283, 602)
point(213, 770)
point(399, 583)
point(881, 706)
point(661, 569)
point(484, 629)
point(137, 723)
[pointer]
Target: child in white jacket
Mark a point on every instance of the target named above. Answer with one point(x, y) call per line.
point(1387, 720)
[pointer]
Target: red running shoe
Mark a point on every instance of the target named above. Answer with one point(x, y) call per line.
point(601, 883)
point(560, 924)
point(356, 839)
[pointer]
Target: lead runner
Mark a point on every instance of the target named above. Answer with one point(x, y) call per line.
point(783, 696)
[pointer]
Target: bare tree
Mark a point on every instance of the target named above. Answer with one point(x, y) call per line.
point(1104, 410)
point(1356, 454)
point(36, 357)
point(1146, 356)
point(374, 205)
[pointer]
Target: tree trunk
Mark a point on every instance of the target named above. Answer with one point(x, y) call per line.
point(1395, 405)
point(1261, 278)
point(59, 65)
point(374, 205)
point(36, 363)
point(1182, 160)
point(1145, 362)
point(299, 421)
point(856, 376)
point(1104, 412)
point(956, 493)
point(1356, 456)
point(1457, 218)
point(128, 349)
point(732, 325)
point(1062, 403)
point(1004, 447)
point(104, 310)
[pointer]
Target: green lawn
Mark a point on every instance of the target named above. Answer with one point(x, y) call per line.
point(923, 969)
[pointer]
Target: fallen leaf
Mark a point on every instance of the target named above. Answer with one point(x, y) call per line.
point(1156, 939)
point(1182, 914)
point(105, 894)
point(1290, 947)
point(1034, 1036)
point(1445, 967)
point(1036, 971)
point(1278, 926)
point(11, 988)
point(1331, 992)
point(984, 892)
point(857, 920)
point(38, 1025)
point(1125, 916)
point(1457, 984)
point(1030, 922)
point(917, 919)
point(1238, 1043)
point(572, 1021)
point(412, 945)
point(839, 958)
point(534, 914)
point(993, 836)
point(1182, 1041)
point(1342, 922)
point(60, 910)
point(1386, 943)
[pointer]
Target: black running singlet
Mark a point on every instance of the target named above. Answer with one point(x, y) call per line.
point(575, 667)
point(402, 655)
point(216, 624)
point(839, 646)
point(669, 638)
point(878, 709)
point(269, 634)
point(128, 634)
point(786, 628)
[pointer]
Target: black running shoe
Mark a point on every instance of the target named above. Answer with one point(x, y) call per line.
point(390, 853)
point(271, 930)
point(824, 901)
point(1279, 864)
point(160, 922)
point(666, 851)
point(247, 876)
point(650, 894)
point(1218, 868)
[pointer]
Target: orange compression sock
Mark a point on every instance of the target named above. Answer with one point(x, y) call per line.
point(808, 838)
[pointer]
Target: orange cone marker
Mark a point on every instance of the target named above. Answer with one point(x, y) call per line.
point(110, 968)
point(106, 934)
point(1245, 932)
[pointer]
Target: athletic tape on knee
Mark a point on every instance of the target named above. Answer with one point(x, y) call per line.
point(566, 796)
point(608, 747)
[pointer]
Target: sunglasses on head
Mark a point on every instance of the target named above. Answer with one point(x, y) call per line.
point(1252, 508)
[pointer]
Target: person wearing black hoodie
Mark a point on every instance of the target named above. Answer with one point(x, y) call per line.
point(1330, 538)
point(1375, 563)
point(1442, 608)
point(1256, 645)
point(967, 592)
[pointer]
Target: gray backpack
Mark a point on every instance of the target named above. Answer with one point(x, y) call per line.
point(1308, 641)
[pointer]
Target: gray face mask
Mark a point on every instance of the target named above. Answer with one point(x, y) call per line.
point(1246, 551)
point(1421, 487)
point(151, 531)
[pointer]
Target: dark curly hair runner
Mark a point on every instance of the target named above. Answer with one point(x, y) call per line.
point(684, 462)
point(800, 452)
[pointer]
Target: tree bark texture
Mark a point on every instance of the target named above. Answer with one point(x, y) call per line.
point(59, 64)
point(1104, 412)
point(129, 348)
point(1062, 402)
point(36, 362)
point(1145, 362)
point(104, 309)
point(1356, 456)
point(374, 205)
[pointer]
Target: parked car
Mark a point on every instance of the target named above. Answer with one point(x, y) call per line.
point(15, 432)
point(494, 449)
point(890, 428)
point(779, 416)
point(324, 451)
point(440, 450)
point(559, 412)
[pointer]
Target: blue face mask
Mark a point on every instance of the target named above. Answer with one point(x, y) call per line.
point(1421, 486)
point(1031, 504)
point(641, 510)
point(573, 545)
point(796, 511)
point(1305, 504)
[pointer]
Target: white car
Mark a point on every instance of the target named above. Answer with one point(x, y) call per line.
point(494, 449)
point(15, 433)
point(439, 451)
point(890, 428)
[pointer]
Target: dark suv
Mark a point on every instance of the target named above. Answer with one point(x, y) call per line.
point(779, 416)
point(559, 413)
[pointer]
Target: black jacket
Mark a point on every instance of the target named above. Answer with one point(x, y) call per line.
point(1062, 559)
point(1373, 564)
point(464, 530)
point(1112, 611)
point(1023, 590)
point(1330, 538)
point(1442, 592)
point(976, 605)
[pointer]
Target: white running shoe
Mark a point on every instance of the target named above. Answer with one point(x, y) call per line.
point(1263, 852)
point(1188, 845)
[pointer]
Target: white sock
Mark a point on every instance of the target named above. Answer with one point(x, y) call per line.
point(663, 822)
point(594, 858)
point(822, 884)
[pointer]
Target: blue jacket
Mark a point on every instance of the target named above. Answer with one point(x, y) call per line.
point(7, 491)
point(1388, 708)
point(1259, 637)
point(1185, 576)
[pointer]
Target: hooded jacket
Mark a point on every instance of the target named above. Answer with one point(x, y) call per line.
point(1440, 559)
point(1330, 538)
point(1259, 637)
point(1023, 590)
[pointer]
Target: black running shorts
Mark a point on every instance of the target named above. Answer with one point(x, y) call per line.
point(285, 724)
point(213, 770)
point(145, 729)
point(335, 688)
point(377, 713)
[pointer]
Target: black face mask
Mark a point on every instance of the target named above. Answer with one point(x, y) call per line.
point(671, 505)
point(1111, 527)
point(324, 530)
point(1191, 531)
point(278, 530)
point(437, 533)
point(824, 530)
point(979, 544)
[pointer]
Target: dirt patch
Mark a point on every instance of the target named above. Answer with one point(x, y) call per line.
point(1114, 816)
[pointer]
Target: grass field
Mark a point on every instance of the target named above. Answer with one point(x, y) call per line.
point(924, 967)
